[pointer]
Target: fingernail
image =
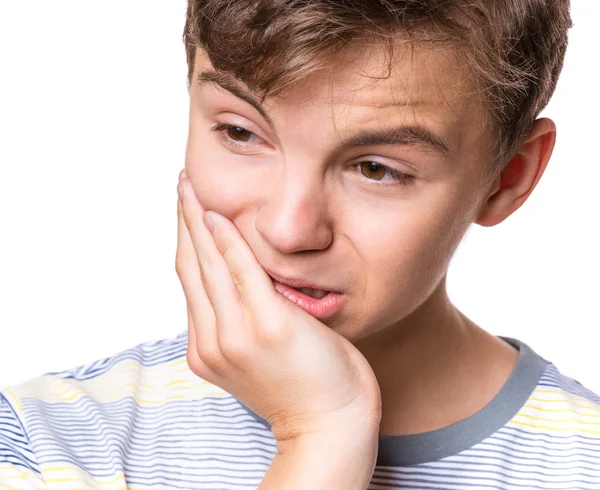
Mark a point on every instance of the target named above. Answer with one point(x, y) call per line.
point(209, 222)
point(182, 174)
point(180, 193)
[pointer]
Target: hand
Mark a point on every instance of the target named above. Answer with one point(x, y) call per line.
point(251, 341)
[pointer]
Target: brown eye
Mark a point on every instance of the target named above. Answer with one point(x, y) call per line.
point(374, 170)
point(239, 134)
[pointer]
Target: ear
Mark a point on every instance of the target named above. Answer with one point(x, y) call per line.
point(521, 174)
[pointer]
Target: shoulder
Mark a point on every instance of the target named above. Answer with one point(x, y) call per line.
point(81, 418)
point(17, 461)
point(148, 355)
point(562, 412)
point(555, 383)
point(561, 396)
point(103, 380)
point(554, 437)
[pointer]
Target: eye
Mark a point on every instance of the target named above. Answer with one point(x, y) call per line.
point(235, 134)
point(376, 171)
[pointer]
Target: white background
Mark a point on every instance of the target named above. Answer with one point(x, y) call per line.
point(93, 127)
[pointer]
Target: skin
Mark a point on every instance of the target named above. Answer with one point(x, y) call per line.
point(306, 210)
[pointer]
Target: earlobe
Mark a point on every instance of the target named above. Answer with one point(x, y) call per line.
point(520, 176)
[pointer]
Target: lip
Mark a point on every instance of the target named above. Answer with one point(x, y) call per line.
point(299, 283)
point(319, 308)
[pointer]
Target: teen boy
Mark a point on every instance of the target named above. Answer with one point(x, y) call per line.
point(346, 147)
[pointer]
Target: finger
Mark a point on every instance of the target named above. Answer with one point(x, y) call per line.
point(197, 362)
point(216, 279)
point(202, 331)
point(252, 282)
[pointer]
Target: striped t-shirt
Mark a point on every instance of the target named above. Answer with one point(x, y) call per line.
point(142, 420)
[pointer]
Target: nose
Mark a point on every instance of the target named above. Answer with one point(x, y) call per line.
point(294, 217)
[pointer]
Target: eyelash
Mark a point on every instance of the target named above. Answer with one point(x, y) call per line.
point(401, 178)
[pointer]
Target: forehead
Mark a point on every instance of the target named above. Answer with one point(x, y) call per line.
point(368, 76)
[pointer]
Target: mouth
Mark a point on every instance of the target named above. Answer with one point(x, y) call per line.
point(307, 287)
point(313, 293)
point(320, 303)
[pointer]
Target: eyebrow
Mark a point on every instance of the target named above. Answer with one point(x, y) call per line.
point(230, 83)
point(412, 135)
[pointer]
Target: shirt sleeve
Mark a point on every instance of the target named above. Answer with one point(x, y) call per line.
point(18, 466)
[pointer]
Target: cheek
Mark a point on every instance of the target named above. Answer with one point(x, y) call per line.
point(405, 257)
point(218, 182)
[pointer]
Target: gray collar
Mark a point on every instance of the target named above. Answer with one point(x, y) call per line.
point(437, 444)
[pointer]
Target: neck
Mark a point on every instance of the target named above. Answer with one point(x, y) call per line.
point(435, 367)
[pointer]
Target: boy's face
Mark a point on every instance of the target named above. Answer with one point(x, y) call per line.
point(309, 189)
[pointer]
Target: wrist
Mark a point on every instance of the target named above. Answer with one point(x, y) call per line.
point(328, 461)
point(347, 438)
point(362, 422)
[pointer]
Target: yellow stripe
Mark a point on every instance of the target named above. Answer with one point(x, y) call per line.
point(593, 406)
point(554, 429)
point(2, 485)
point(143, 402)
point(89, 479)
point(21, 474)
point(75, 480)
point(15, 399)
point(71, 392)
point(558, 410)
point(559, 391)
point(176, 381)
point(113, 388)
point(80, 386)
point(122, 389)
point(552, 421)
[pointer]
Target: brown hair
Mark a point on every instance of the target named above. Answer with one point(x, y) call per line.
point(513, 48)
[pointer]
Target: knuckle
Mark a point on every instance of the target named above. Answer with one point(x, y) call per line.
point(207, 266)
point(199, 368)
point(237, 277)
point(178, 264)
point(210, 355)
point(182, 271)
point(271, 334)
point(226, 248)
point(230, 253)
point(236, 349)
